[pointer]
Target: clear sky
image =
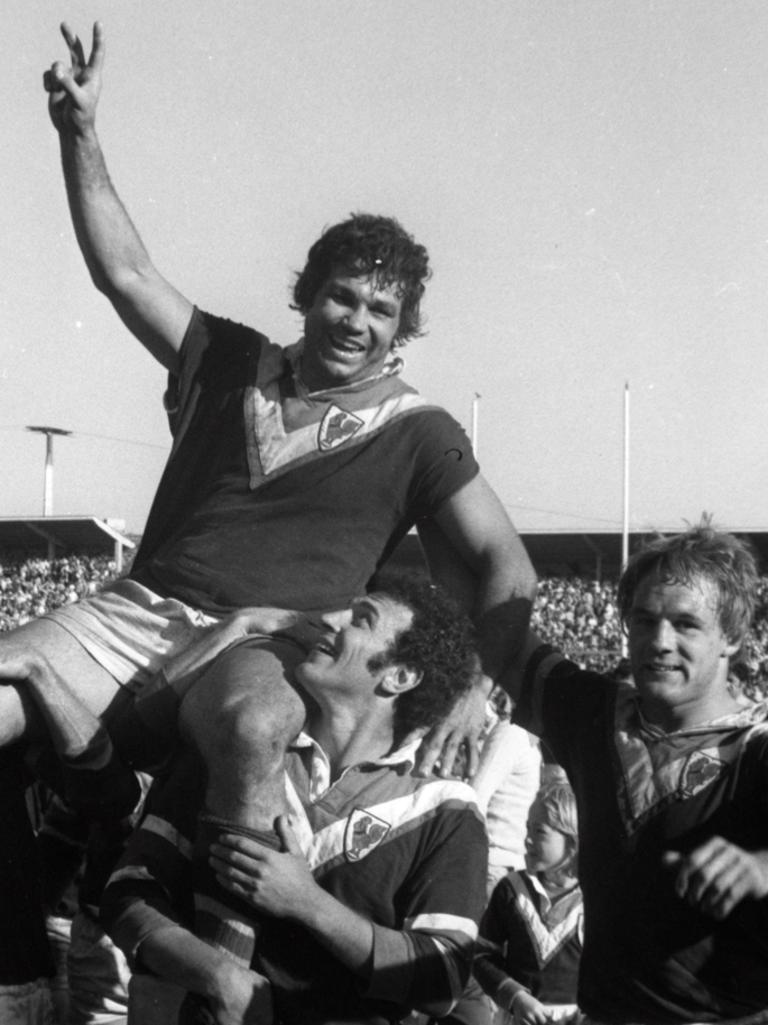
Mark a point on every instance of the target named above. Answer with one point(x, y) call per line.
point(590, 177)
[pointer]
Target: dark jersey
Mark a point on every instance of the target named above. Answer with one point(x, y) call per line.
point(531, 939)
point(273, 497)
point(409, 854)
point(648, 955)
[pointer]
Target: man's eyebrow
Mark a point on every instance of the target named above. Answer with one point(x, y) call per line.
point(384, 299)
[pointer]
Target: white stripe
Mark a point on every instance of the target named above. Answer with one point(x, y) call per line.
point(233, 919)
point(442, 923)
point(273, 449)
point(547, 940)
point(399, 812)
point(452, 971)
point(132, 872)
point(301, 824)
point(163, 828)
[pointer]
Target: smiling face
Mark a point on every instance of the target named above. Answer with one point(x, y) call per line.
point(348, 330)
point(546, 848)
point(352, 656)
point(679, 653)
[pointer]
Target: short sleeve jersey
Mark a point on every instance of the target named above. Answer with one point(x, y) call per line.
point(271, 497)
point(407, 853)
point(648, 955)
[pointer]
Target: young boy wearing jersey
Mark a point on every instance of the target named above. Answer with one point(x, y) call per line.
point(531, 933)
point(671, 782)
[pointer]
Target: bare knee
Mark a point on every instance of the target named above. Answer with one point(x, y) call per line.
point(243, 710)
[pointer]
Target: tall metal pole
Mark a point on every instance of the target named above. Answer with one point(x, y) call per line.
point(625, 522)
point(48, 478)
point(475, 419)
point(625, 504)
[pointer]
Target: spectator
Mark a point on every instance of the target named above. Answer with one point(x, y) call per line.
point(532, 931)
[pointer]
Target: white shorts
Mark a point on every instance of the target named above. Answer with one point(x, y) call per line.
point(131, 631)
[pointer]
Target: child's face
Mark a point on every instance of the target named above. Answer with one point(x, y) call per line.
point(545, 848)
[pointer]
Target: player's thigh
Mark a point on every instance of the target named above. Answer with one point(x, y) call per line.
point(246, 692)
point(61, 655)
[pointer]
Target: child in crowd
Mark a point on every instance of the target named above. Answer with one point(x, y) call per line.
point(531, 933)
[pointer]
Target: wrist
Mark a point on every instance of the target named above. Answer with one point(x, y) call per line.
point(311, 906)
point(518, 993)
point(222, 978)
point(79, 135)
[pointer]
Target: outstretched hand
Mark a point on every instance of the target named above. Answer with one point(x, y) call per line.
point(73, 92)
point(718, 875)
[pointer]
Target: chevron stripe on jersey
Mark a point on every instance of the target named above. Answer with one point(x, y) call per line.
point(658, 768)
point(364, 789)
point(284, 431)
point(547, 932)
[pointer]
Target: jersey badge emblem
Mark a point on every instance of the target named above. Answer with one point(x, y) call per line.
point(336, 427)
point(363, 833)
point(699, 770)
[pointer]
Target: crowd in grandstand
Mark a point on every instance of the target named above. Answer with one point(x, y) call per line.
point(578, 615)
point(31, 587)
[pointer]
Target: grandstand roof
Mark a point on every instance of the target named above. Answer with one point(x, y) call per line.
point(60, 535)
point(592, 553)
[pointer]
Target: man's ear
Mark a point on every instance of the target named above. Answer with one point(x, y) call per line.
point(398, 679)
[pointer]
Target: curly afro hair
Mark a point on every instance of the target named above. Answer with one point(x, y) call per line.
point(439, 644)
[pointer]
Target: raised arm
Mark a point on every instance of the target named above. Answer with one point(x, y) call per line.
point(119, 264)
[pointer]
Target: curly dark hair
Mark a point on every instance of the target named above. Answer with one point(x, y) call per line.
point(701, 552)
point(439, 644)
point(369, 245)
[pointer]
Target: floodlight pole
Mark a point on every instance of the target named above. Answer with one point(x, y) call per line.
point(48, 479)
point(625, 523)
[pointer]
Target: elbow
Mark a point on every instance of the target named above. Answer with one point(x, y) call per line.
point(529, 581)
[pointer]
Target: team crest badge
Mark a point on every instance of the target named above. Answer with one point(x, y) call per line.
point(363, 833)
point(336, 427)
point(699, 771)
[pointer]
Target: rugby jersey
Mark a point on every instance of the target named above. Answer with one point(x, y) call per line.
point(407, 853)
point(533, 941)
point(273, 496)
point(648, 955)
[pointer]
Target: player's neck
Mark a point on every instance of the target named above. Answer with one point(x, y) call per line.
point(349, 736)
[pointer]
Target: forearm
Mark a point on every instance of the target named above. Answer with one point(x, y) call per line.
point(178, 956)
point(110, 244)
point(502, 611)
point(489, 971)
point(152, 309)
point(343, 932)
point(414, 969)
